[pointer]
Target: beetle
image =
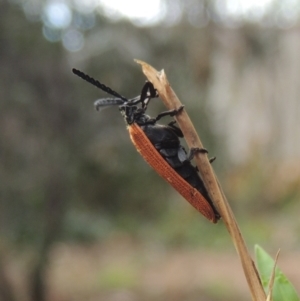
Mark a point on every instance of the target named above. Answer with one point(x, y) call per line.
point(159, 144)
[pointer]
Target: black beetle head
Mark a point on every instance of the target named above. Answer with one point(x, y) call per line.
point(133, 113)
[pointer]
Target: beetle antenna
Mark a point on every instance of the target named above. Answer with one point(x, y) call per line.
point(98, 84)
point(105, 102)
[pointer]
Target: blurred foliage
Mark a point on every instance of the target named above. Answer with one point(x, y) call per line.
point(118, 277)
point(281, 288)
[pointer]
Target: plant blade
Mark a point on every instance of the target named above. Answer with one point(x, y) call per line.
point(283, 290)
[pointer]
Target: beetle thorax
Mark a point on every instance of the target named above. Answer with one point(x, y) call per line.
point(133, 114)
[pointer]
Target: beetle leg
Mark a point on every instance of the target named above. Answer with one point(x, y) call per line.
point(169, 113)
point(212, 159)
point(172, 123)
point(162, 114)
point(195, 150)
point(147, 93)
point(183, 156)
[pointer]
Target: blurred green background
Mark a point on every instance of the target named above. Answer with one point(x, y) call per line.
point(82, 216)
